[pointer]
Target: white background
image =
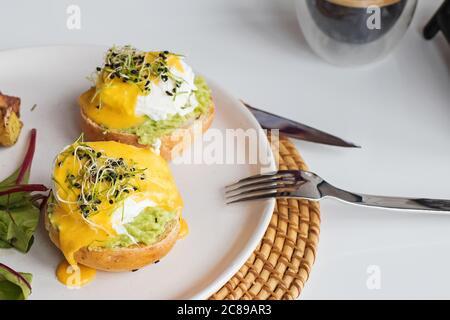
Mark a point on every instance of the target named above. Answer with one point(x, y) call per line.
point(397, 109)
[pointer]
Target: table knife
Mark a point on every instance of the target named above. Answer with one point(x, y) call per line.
point(295, 129)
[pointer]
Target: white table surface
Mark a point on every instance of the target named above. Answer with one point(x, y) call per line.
point(397, 109)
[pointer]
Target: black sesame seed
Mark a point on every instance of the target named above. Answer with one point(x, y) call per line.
point(99, 154)
point(111, 202)
point(156, 261)
point(169, 93)
point(99, 69)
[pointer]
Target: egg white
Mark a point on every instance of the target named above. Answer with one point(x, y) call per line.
point(127, 212)
point(158, 105)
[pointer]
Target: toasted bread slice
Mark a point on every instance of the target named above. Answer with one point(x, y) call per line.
point(123, 259)
point(172, 144)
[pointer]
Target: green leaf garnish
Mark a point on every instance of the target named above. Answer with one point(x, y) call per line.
point(14, 285)
point(18, 214)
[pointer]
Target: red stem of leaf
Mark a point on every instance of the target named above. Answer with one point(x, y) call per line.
point(26, 164)
point(44, 204)
point(17, 274)
point(24, 188)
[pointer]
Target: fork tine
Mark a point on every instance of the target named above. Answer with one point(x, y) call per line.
point(260, 186)
point(273, 193)
point(260, 178)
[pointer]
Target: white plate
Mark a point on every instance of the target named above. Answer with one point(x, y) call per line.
point(221, 237)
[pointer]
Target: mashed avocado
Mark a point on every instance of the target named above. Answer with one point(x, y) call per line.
point(151, 130)
point(145, 228)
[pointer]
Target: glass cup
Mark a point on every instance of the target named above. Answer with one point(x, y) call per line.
point(354, 32)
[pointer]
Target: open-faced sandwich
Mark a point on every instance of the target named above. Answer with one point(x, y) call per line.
point(115, 207)
point(146, 99)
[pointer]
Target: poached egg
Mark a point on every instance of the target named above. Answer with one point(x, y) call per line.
point(159, 86)
point(89, 213)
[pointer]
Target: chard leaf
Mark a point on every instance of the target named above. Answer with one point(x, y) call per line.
point(18, 216)
point(4, 245)
point(20, 176)
point(14, 285)
point(17, 226)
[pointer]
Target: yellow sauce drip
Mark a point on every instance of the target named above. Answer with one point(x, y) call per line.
point(118, 102)
point(184, 229)
point(74, 276)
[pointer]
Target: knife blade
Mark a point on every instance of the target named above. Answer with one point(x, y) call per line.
point(296, 130)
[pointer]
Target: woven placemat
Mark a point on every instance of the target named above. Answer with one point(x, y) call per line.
point(282, 261)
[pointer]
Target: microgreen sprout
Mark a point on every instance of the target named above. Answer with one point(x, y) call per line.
point(137, 67)
point(99, 177)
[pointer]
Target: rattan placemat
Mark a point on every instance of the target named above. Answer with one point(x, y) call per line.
point(280, 265)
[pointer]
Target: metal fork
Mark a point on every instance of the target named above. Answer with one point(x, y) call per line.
point(300, 184)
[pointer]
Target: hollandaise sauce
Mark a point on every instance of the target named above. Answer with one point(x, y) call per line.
point(184, 229)
point(107, 195)
point(134, 85)
point(74, 276)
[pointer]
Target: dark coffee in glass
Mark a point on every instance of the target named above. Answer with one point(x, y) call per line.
point(347, 20)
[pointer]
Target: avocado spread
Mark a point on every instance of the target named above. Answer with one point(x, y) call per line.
point(146, 228)
point(151, 130)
